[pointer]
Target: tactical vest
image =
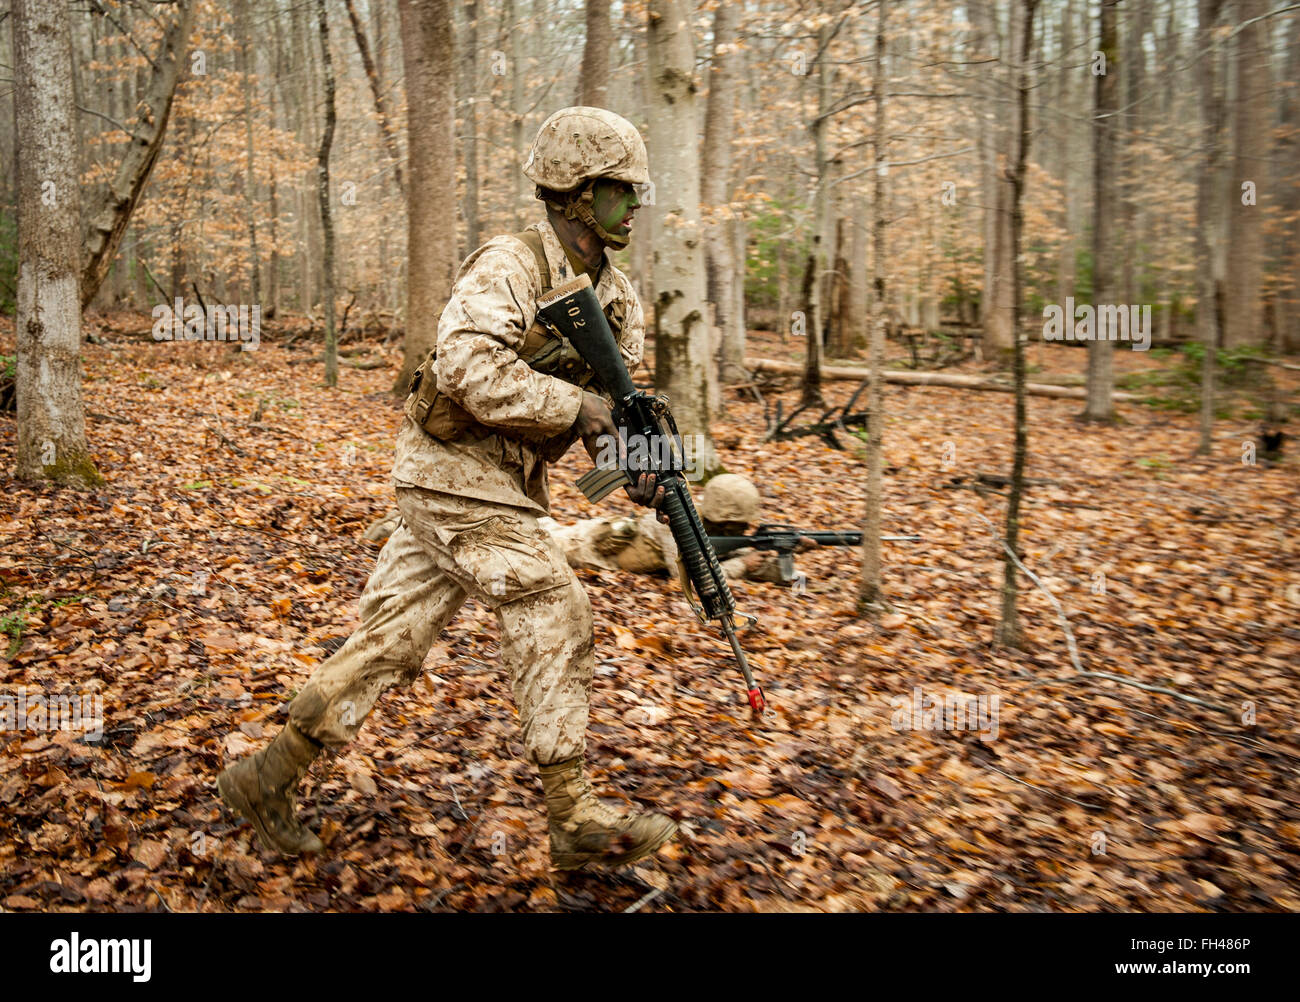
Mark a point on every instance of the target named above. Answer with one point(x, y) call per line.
point(543, 350)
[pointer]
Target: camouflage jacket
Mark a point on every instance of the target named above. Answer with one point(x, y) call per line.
point(484, 323)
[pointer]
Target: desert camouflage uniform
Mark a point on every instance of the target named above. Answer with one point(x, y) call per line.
point(470, 511)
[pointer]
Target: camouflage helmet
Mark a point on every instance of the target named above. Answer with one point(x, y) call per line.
point(729, 497)
point(575, 147)
point(580, 144)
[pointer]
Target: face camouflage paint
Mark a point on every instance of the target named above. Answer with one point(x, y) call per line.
point(612, 202)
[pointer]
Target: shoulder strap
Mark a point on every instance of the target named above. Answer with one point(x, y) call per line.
point(534, 241)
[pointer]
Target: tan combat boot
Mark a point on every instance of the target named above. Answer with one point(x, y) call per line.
point(261, 788)
point(584, 831)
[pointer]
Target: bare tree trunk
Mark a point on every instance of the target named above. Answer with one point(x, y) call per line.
point(737, 343)
point(735, 335)
point(715, 189)
point(1101, 352)
point(1129, 124)
point(175, 228)
point(518, 109)
point(323, 193)
point(109, 219)
point(1065, 74)
point(381, 107)
point(1251, 109)
point(594, 89)
point(309, 101)
point(1009, 626)
point(996, 308)
point(840, 307)
point(783, 289)
point(856, 318)
point(1207, 307)
point(812, 389)
point(871, 592)
point(1287, 152)
point(141, 290)
point(812, 374)
point(118, 110)
point(250, 197)
point(642, 248)
point(428, 59)
point(469, 84)
point(379, 28)
point(51, 421)
point(279, 119)
point(273, 265)
point(684, 366)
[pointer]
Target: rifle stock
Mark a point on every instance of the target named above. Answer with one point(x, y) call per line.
point(574, 312)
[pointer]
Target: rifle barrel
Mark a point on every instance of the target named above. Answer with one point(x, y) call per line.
point(786, 539)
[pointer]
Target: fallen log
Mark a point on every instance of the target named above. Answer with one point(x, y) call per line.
point(949, 380)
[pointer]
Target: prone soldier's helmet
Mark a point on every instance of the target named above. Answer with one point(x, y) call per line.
point(573, 148)
point(729, 498)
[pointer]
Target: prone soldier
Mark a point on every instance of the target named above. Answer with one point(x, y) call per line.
point(728, 506)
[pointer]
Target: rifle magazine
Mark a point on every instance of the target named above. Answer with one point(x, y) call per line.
point(598, 484)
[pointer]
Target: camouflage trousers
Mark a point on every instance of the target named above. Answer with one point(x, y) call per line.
point(447, 548)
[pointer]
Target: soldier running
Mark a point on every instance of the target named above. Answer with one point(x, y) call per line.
point(496, 401)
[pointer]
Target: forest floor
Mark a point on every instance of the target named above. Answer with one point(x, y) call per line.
point(198, 589)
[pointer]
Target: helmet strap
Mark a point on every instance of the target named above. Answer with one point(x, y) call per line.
point(580, 208)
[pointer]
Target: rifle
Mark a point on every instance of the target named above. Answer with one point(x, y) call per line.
point(649, 443)
point(784, 540)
